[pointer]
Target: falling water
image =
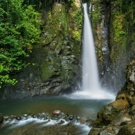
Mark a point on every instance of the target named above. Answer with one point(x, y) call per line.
point(91, 88)
point(90, 79)
point(90, 70)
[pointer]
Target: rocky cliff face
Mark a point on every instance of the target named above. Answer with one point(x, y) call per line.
point(55, 65)
point(113, 40)
point(118, 117)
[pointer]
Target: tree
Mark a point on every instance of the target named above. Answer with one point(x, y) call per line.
point(19, 31)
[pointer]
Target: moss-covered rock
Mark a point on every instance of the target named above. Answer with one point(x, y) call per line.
point(110, 130)
point(55, 65)
point(117, 118)
point(95, 131)
point(64, 48)
point(111, 112)
point(128, 129)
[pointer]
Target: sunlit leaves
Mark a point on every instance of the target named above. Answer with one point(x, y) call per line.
point(19, 31)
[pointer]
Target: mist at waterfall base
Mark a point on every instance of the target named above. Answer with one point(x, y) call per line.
point(91, 88)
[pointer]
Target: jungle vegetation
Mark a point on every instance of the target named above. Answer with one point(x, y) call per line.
point(20, 30)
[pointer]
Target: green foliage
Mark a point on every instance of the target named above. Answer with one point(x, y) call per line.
point(123, 24)
point(47, 70)
point(46, 3)
point(76, 14)
point(64, 20)
point(123, 19)
point(120, 35)
point(19, 31)
point(95, 14)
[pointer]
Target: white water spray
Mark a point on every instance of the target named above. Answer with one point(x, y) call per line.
point(91, 88)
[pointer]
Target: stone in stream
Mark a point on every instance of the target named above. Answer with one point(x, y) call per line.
point(48, 116)
point(25, 116)
point(34, 116)
point(74, 118)
point(62, 121)
point(42, 116)
point(11, 117)
point(82, 121)
point(66, 117)
point(56, 112)
point(18, 118)
point(78, 117)
point(6, 118)
point(1, 118)
point(71, 117)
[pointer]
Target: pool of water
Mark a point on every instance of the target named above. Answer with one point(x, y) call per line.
point(84, 108)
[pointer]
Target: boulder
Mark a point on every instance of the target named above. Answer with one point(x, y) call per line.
point(132, 100)
point(111, 112)
point(131, 111)
point(120, 104)
point(110, 130)
point(122, 120)
point(128, 129)
point(122, 96)
point(118, 117)
point(94, 131)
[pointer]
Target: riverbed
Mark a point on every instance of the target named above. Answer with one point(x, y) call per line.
point(84, 109)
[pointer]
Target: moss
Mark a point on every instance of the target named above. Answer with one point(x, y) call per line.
point(76, 34)
point(95, 15)
point(47, 71)
point(96, 21)
point(119, 34)
point(64, 20)
point(62, 35)
point(120, 104)
point(76, 23)
point(122, 34)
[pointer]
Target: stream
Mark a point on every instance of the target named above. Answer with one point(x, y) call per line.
point(83, 110)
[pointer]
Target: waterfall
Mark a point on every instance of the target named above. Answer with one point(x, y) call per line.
point(90, 79)
point(91, 88)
